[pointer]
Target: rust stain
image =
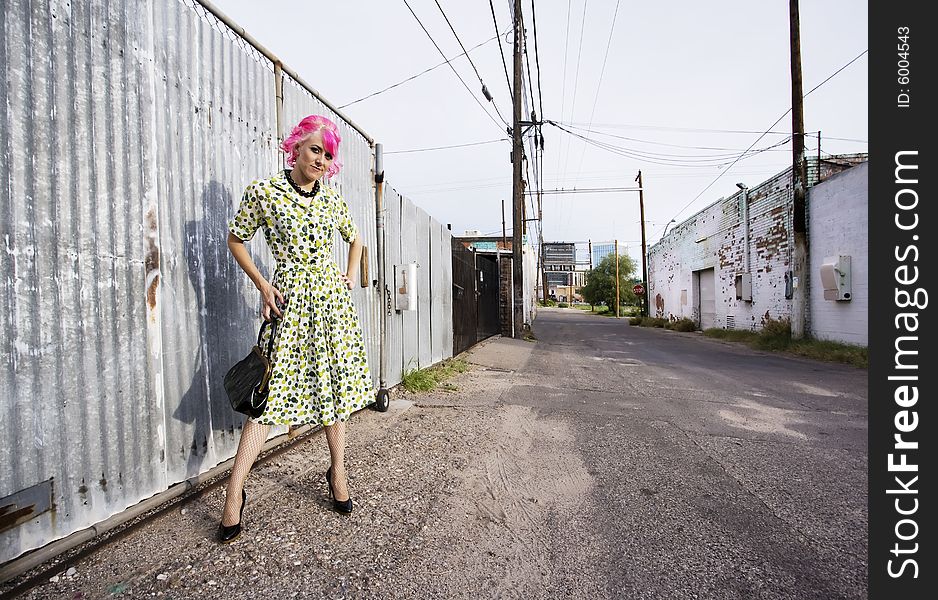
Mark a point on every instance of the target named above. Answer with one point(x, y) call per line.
point(152, 260)
point(151, 291)
point(10, 518)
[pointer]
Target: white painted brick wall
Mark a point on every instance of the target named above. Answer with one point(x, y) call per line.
point(838, 225)
point(714, 238)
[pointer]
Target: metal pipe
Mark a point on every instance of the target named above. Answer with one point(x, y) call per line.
point(745, 217)
point(384, 303)
point(278, 97)
point(273, 58)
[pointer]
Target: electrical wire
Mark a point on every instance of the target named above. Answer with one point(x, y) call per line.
point(666, 159)
point(537, 63)
point(458, 76)
point(485, 90)
point(576, 75)
point(447, 147)
point(599, 84)
point(724, 171)
point(424, 72)
point(501, 50)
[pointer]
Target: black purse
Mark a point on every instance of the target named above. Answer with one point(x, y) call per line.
point(246, 382)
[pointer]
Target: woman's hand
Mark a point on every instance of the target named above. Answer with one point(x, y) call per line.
point(272, 301)
point(347, 281)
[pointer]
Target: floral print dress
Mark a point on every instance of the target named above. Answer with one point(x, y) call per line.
point(320, 369)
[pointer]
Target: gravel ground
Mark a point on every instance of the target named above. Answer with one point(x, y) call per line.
point(600, 462)
point(456, 496)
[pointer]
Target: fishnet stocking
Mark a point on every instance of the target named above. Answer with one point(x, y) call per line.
point(335, 437)
point(253, 436)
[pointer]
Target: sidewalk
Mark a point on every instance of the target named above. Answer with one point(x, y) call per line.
point(415, 532)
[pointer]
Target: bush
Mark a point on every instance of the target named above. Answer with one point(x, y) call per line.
point(635, 320)
point(684, 324)
point(562, 305)
point(653, 322)
point(775, 335)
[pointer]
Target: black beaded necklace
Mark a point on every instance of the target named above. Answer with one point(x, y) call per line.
point(306, 194)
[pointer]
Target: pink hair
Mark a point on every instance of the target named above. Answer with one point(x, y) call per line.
point(307, 127)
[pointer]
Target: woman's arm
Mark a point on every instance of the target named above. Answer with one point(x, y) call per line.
point(270, 295)
point(354, 261)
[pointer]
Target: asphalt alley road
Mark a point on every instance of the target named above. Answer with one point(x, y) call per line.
point(716, 471)
point(600, 461)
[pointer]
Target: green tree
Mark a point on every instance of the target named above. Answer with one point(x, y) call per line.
point(601, 282)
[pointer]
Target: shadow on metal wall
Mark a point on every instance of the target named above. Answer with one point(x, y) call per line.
point(213, 274)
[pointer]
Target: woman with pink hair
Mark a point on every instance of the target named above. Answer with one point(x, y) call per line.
point(320, 370)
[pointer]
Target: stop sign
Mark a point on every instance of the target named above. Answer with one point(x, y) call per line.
point(638, 289)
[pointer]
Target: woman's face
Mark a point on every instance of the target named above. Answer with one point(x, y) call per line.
point(312, 160)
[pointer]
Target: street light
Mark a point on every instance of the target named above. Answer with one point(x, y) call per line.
point(666, 227)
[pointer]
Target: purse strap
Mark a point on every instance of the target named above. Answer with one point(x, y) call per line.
point(273, 332)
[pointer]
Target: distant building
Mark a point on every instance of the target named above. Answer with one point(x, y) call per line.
point(601, 250)
point(560, 268)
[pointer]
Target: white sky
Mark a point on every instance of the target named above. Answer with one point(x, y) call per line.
point(679, 76)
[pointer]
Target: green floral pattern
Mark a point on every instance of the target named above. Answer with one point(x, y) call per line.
point(320, 372)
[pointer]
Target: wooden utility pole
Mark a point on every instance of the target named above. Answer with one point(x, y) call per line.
point(641, 206)
point(799, 177)
point(504, 232)
point(617, 279)
point(517, 150)
point(540, 242)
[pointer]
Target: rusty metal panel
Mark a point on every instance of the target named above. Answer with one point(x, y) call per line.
point(355, 182)
point(80, 403)
point(214, 130)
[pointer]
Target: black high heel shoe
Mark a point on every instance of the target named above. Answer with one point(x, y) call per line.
point(340, 506)
point(228, 533)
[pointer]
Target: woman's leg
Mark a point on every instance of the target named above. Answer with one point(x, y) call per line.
point(335, 437)
point(253, 436)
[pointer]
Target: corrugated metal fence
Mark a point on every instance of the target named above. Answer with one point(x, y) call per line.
point(128, 132)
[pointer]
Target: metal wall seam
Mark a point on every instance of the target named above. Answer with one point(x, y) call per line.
point(410, 254)
point(436, 292)
point(446, 307)
point(395, 320)
point(424, 350)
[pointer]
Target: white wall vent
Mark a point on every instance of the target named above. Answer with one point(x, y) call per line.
point(835, 278)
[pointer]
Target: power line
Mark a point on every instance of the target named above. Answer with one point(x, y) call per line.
point(724, 171)
point(663, 159)
point(447, 147)
point(641, 141)
point(453, 68)
point(485, 90)
point(424, 72)
point(537, 63)
point(500, 49)
point(576, 75)
point(563, 88)
point(599, 84)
